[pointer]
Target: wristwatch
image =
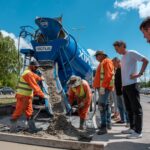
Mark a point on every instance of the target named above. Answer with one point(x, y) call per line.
point(141, 73)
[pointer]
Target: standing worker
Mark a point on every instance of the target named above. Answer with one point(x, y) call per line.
point(24, 94)
point(104, 82)
point(80, 91)
point(130, 87)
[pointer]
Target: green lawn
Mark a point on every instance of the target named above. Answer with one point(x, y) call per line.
point(7, 101)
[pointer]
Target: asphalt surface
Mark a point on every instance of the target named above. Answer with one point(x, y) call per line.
point(117, 141)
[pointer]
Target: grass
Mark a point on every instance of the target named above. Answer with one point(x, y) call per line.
point(7, 101)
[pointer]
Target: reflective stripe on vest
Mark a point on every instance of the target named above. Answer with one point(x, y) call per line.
point(111, 84)
point(23, 87)
point(81, 94)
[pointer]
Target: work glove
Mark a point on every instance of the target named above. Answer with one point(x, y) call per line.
point(42, 78)
point(46, 96)
point(81, 105)
point(101, 91)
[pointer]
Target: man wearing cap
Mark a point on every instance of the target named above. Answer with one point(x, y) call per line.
point(24, 94)
point(80, 91)
point(104, 83)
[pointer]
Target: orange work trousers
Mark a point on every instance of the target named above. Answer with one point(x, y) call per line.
point(83, 112)
point(23, 105)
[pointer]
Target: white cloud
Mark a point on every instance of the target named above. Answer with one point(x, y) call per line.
point(142, 6)
point(23, 43)
point(94, 61)
point(91, 52)
point(112, 16)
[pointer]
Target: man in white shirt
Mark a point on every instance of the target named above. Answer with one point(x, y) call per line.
point(130, 87)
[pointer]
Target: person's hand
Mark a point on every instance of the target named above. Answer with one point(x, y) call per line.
point(134, 75)
point(101, 91)
point(42, 78)
point(46, 96)
point(81, 105)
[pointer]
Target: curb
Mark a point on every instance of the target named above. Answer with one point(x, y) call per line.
point(47, 142)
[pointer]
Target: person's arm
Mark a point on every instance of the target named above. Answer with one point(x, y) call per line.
point(29, 78)
point(70, 96)
point(88, 92)
point(37, 77)
point(96, 81)
point(144, 65)
point(108, 74)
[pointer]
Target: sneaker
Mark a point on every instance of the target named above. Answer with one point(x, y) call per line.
point(134, 135)
point(129, 131)
point(116, 116)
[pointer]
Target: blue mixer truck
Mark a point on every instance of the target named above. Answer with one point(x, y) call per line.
point(53, 46)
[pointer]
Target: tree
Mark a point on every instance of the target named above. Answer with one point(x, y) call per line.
point(9, 62)
point(144, 84)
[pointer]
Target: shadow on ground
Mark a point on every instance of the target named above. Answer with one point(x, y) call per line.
point(127, 146)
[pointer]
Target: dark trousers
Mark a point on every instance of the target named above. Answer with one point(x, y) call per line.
point(134, 109)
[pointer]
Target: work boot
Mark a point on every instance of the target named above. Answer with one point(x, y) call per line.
point(102, 130)
point(13, 125)
point(82, 124)
point(109, 126)
point(32, 127)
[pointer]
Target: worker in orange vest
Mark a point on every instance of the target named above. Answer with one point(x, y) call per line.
point(24, 94)
point(104, 83)
point(80, 91)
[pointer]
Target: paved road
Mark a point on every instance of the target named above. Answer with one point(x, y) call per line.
point(118, 141)
point(16, 146)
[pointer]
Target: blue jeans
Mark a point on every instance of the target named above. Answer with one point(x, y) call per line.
point(104, 107)
point(122, 108)
point(114, 99)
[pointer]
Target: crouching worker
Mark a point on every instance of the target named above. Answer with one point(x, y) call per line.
point(80, 91)
point(24, 94)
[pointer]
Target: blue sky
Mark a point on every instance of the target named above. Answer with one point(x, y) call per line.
point(96, 24)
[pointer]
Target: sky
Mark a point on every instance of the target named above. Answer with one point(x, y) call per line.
point(95, 24)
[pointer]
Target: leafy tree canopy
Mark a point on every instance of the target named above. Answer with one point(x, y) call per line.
point(9, 62)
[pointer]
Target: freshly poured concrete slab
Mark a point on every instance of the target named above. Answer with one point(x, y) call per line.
point(66, 144)
point(43, 139)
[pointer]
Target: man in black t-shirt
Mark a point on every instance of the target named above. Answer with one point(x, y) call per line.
point(118, 89)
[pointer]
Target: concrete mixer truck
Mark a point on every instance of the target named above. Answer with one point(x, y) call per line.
point(53, 46)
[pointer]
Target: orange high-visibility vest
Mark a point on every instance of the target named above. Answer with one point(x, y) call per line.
point(111, 84)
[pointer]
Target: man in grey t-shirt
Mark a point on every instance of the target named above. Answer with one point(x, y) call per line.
point(130, 87)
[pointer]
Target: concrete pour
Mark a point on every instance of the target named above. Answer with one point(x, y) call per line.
point(60, 131)
point(65, 140)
